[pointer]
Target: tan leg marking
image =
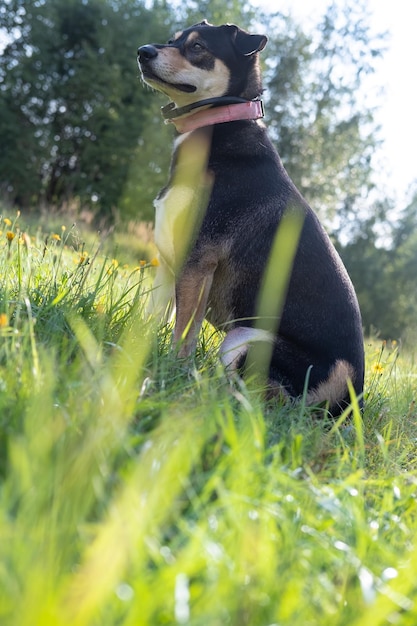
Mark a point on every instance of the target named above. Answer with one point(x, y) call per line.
point(192, 294)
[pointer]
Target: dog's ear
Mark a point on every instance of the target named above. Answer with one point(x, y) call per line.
point(248, 44)
point(203, 23)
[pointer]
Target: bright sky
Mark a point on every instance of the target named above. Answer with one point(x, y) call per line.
point(396, 73)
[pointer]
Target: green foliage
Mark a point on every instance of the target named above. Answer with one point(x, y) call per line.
point(216, 12)
point(149, 167)
point(324, 133)
point(381, 258)
point(133, 491)
point(72, 103)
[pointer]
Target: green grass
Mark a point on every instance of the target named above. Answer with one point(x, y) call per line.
point(135, 491)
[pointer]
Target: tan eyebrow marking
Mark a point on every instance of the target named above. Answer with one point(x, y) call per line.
point(192, 36)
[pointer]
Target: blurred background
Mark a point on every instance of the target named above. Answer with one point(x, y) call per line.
point(81, 137)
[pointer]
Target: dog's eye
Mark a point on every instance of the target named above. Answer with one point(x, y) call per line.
point(197, 46)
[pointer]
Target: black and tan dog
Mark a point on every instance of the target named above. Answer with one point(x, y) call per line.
point(218, 218)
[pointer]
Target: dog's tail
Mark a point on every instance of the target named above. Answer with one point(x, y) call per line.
point(334, 389)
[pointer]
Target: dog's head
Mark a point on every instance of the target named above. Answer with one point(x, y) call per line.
point(204, 61)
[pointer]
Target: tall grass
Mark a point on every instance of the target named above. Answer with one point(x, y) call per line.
point(137, 491)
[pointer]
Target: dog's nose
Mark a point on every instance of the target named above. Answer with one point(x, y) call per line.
point(147, 53)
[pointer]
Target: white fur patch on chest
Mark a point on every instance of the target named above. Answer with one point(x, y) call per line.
point(170, 210)
point(182, 201)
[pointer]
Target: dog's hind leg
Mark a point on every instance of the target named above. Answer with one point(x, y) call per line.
point(236, 344)
point(234, 349)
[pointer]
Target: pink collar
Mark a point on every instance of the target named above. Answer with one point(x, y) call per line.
point(251, 110)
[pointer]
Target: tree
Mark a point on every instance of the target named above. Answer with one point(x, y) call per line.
point(382, 262)
point(69, 97)
point(326, 137)
point(216, 12)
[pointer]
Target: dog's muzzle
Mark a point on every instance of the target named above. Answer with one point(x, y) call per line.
point(146, 55)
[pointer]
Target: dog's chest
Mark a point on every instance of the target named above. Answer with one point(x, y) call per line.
point(178, 207)
point(170, 211)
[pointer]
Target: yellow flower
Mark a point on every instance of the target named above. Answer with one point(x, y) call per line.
point(56, 237)
point(142, 263)
point(377, 368)
point(4, 320)
point(155, 262)
point(7, 221)
point(82, 258)
point(10, 236)
point(113, 266)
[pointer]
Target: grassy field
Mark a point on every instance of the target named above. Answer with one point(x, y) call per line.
point(135, 491)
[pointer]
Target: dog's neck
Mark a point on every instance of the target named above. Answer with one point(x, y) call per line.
point(188, 120)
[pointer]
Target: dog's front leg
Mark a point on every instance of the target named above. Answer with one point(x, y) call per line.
point(161, 297)
point(192, 292)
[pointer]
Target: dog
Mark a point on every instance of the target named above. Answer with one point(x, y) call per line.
point(219, 219)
